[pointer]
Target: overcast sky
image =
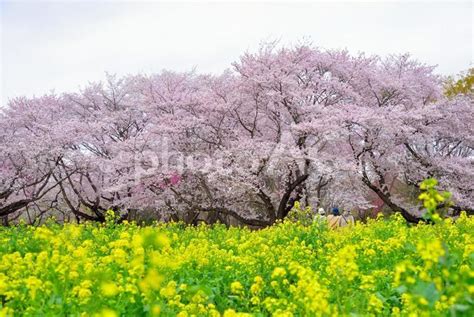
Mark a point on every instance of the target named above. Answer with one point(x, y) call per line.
point(62, 45)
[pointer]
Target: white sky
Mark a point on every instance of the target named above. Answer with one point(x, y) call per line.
point(62, 45)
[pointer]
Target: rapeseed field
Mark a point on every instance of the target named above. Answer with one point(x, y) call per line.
point(381, 268)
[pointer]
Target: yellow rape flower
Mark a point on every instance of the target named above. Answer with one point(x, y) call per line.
point(375, 304)
point(431, 251)
point(6, 312)
point(169, 291)
point(152, 281)
point(278, 272)
point(236, 288)
point(107, 312)
point(155, 310)
point(109, 289)
point(233, 313)
point(33, 284)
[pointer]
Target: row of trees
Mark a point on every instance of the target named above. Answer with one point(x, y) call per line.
point(294, 124)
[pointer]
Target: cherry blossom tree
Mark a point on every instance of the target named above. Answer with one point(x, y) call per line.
point(322, 127)
point(31, 147)
point(404, 131)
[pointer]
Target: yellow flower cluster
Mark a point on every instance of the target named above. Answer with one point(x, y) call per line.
point(384, 267)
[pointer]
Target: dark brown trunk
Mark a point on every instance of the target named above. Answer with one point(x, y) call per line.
point(286, 203)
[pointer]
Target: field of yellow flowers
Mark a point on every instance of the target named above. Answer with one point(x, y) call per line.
point(384, 267)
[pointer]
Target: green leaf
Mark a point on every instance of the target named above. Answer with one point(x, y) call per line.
point(427, 290)
point(461, 307)
point(401, 289)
